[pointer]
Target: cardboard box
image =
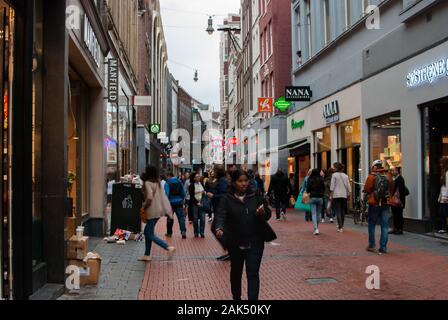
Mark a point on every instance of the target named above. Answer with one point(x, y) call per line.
point(71, 222)
point(89, 269)
point(77, 248)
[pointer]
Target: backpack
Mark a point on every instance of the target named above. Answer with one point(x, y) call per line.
point(381, 190)
point(175, 189)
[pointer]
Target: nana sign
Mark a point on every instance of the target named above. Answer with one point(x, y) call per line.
point(299, 94)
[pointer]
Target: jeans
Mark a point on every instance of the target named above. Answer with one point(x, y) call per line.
point(316, 209)
point(381, 215)
point(281, 204)
point(198, 220)
point(324, 208)
point(150, 237)
point(180, 217)
point(252, 257)
point(443, 214)
point(397, 213)
point(340, 209)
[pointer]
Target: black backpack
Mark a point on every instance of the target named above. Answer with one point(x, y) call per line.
point(175, 189)
point(381, 191)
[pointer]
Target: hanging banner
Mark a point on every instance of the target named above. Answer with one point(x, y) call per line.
point(112, 80)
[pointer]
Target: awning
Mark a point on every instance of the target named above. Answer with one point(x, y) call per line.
point(295, 144)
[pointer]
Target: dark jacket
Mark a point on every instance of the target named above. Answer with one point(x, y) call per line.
point(316, 187)
point(280, 185)
point(399, 184)
point(240, 222)
point(219, 189)
point(260, 183)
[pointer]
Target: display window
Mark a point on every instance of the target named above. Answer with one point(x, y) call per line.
point(435, 148)
point(385, 140)
point(322, 140)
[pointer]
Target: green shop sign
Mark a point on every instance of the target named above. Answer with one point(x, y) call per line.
point(155, 128)
point(282, 105)
point(297, 124)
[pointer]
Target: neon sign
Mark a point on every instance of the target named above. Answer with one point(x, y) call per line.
point(427, 74)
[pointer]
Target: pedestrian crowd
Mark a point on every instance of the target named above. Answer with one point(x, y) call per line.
point(236, 204)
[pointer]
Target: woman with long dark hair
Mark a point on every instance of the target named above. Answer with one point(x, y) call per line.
point(156, 205)
point(242, 217)
point(316, 189)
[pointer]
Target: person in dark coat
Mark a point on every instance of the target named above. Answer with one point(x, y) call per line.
point(242, 215)
point(281, 188)
point(397, 212)
point(219, 188)
point(260, 183)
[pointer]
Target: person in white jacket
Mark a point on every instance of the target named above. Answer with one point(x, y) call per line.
point(340, 193)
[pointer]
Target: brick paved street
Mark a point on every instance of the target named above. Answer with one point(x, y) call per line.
point(298, 257)
point(296, 266)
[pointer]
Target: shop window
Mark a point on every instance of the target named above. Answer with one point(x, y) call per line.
point(323, 140)
point(385, 140)
point(350, 133)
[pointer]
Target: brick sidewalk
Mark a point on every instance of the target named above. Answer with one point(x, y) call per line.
point(291, 264)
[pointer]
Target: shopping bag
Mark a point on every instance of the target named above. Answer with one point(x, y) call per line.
point(301, 206)
point(306, 198)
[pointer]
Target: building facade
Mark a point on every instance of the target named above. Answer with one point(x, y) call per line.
point(373, 99)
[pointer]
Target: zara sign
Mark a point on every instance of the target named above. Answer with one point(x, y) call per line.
point(331, 112)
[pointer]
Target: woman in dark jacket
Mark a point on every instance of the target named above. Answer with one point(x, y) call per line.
point(397, 211)
point(316, 189)
point(242, 216)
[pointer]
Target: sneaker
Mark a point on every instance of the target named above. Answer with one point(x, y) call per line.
point(316, 232)
point(441, 231)
point(145, 259)
point(369, 249)
point(323, 221)
point(382, 251)
point(341, 230)
point(184, 236)
point(171, 251)
point(278, 219)
point(331, 220)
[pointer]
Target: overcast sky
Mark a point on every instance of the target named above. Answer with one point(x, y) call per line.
point(188, 44)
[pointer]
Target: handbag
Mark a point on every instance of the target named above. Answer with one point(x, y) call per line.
point(206, 204)
point(396, 201)
point(301, 206)
point(269, 234)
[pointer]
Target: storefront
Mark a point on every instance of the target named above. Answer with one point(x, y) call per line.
point(404, 123)
point(326, 132)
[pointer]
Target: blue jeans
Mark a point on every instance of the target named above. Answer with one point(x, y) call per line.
point(381, 215)
point(180, 217)
point(198, 220)
point(316, 209)
point(150, 237)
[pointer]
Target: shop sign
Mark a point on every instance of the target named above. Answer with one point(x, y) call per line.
point(91, 41)
point(265, 105)
point(298, 94)
point(282, 105)
point(297, 124)
point(331, 112)
point(154, 128)
point(427, 74)
point(112, 77)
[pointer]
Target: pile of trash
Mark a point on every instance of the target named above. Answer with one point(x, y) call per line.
point(121, 236)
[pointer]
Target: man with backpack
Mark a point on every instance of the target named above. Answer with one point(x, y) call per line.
point(379, 188)
point(176, 194)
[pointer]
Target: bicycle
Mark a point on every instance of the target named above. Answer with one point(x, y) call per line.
point(360, 207)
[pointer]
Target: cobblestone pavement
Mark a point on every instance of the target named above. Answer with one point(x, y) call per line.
point(300, 266)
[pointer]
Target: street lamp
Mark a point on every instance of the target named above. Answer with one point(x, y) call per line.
point(210, 28)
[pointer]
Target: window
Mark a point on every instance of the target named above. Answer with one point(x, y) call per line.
point(308, 22)
point(262, 47)
point(385, 140)
point(271, 47)
point(322, 139)
point(348, 16)
point(327, 22)
point(266, 43)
